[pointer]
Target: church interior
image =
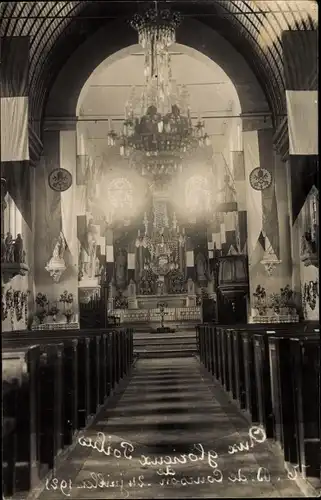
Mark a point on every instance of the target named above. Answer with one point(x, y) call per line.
point(160, 249)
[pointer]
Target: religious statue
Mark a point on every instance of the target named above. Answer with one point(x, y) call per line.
point(3, 249)
point(9, 248)
point(90, 261)
point(307, 245)
point(60, 247)
point(121, 268)
point(132, 289)
point(18, 252)
point(201, 267)
point(160, 287)
point(56, 265)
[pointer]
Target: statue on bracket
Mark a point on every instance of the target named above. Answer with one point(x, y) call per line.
point(88, 257)
point(12, 250)
point(56, 265)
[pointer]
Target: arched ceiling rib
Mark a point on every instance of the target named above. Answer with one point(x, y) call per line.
point(254, 27)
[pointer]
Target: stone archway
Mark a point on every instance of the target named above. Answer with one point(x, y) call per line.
point(62, 103)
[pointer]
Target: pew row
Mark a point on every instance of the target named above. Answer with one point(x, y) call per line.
point(54, 384)
point(273, 375)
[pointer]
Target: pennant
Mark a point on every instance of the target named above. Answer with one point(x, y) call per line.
point(270, 221)
point(253, 197)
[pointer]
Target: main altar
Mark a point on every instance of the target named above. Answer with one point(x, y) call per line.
point(158, 268)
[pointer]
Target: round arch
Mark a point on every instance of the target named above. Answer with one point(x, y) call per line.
point(65, 91)
point(189, 51)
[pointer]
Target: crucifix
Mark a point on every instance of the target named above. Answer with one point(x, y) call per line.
point(162, 312)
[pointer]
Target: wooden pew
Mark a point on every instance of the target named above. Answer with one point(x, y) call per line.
point(67, 377)
point(305, 359)
point(20, 377)
point(273, 372)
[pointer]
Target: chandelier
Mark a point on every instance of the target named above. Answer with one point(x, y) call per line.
point(161, 134)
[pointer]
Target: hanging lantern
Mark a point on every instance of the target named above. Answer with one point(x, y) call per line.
point(233, 276)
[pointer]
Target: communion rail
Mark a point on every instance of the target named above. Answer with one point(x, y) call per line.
point(272, 372)
point(54, 384)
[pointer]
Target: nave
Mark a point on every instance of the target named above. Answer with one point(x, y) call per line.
point(168, 407)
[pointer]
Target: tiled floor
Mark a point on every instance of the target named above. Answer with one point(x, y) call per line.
point(168, 414)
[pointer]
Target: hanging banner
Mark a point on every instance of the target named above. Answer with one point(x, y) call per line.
point(253, 197)
point(302, 108)
point(14, 98)
point(68, 197)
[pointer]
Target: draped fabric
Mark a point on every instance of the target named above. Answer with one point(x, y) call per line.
point(18, 184)
point(270, 221)
point(254, 198)
point(216, 234)
point(48, 218)
point(131, 261)
point(14, 98)
point(300, 50)
point(302, 108)
point(239, 179)
point(304, 174)
point(68, 197)
point(14, 129)
point(240, 186)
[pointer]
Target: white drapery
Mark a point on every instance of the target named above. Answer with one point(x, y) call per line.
point(68, 198)
point(302, 108)
point(14, 129)
point(253, 197)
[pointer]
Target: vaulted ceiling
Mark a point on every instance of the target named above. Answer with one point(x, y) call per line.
point(253, 27)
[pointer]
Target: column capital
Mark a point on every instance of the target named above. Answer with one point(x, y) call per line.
point(60, 123)
point(256, 122)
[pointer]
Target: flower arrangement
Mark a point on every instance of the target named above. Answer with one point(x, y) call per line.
point(41, 300)
point(67, 299)
point(260, 300)
point(310, 294)
point(53, 311)
point(14, 302)
point(42, 310)
point(20, 300)
point(275, 302)
point(121, 302)
point(283, 300)
point(287, 297)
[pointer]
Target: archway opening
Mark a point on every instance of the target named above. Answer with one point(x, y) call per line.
point(158, 220)
point(212, 98)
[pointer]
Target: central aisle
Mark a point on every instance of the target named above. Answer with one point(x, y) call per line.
point(169, 413)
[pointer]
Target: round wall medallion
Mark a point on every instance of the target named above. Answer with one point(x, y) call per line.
point(260, 178)
point(60, 179)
